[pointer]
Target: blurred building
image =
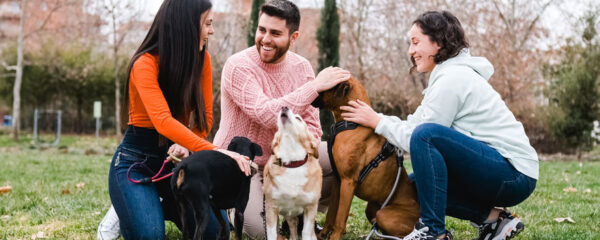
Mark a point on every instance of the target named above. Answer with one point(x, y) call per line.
point(60, 21)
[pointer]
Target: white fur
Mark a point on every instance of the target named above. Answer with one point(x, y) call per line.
point(289, 149)
point(272, 232)
point(289, 194)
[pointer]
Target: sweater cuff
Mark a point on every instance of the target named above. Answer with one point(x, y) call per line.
point(381, 125)
point(309, 91)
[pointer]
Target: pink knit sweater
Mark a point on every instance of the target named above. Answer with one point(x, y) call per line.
point(253, 92)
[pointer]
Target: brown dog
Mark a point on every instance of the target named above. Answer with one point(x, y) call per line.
point(352, 151)
point(292, 177)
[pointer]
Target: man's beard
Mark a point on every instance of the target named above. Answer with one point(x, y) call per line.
point(279, 52)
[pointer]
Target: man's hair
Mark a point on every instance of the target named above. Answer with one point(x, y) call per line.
point(283, 9)
point(444, 29)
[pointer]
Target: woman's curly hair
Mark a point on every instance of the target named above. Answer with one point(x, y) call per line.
point(444, 29)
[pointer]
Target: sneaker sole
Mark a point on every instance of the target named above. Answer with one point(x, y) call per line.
point(510, 230)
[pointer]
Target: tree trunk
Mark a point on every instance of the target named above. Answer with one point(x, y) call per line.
point(117, 97)
point(117, 82)
point(19, 77)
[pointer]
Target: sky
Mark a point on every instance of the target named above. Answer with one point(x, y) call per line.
point(220, 5)
point(561, 18)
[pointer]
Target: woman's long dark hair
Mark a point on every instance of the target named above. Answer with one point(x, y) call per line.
point(444, 29)
point(175, 38)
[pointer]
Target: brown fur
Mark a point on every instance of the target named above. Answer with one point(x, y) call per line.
point(354, 149)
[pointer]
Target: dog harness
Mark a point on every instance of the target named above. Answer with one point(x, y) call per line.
point(386, 150)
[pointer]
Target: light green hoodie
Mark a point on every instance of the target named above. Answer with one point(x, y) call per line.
point(458, 96)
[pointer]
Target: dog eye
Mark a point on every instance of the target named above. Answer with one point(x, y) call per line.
point(299, 118)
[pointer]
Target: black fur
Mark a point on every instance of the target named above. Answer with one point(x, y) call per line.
point(213, 180)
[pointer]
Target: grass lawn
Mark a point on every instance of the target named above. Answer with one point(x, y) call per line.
point(62, 193)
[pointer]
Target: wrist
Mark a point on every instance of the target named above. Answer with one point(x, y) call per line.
point(315, 86)
point(376, 121)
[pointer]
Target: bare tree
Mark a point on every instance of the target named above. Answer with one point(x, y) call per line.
point(123, 17)
point(23, 35)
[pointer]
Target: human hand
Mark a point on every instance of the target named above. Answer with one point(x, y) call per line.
point(177, 151)
point(329, 77)
point(242, 161)
point(361, 113)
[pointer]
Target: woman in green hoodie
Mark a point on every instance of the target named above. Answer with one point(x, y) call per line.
point(469, 153)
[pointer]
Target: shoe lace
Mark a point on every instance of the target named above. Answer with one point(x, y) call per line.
point(416, 234)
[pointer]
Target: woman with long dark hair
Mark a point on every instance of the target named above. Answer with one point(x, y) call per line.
point(469, 154)
point(169, 98)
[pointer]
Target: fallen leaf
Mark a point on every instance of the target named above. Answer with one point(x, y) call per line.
point(578, 172)
point(80, 184)
point(551, 201)
point(570, 189)
point(5, 217)
point(38, 235)
point(580, 164)
point(66, 191)
point(5, 189)
point(96, 213)
point(565, 177)
point(587, 191)
point(568, 219)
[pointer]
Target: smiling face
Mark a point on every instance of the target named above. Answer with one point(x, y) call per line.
point(422, 49)
point(206, 28)
point(273, 38)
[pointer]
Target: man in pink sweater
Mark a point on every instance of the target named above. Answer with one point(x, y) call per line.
point(257, 82)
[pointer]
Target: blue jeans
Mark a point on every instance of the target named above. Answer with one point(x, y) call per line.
point(140, 210)
point(461, 177)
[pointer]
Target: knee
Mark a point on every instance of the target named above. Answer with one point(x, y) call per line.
point(423, 133)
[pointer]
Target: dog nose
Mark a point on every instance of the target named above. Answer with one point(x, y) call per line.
point(284, 109)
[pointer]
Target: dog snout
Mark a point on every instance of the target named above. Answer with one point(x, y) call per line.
point(284, 109)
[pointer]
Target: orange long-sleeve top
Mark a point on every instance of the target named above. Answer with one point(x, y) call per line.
point(148, 107)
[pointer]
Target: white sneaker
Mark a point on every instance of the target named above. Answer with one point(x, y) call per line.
point(109, 226)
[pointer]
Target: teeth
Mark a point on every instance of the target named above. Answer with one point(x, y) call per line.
point(267, 48)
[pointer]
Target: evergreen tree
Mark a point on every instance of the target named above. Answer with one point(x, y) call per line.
point(329, 51)
point(253, 21)
point(328, 36)
point(573, 92)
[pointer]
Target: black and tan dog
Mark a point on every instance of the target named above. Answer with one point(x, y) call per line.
point(352, 151)
point(212, 180)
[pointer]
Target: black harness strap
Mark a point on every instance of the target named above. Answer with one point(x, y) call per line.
point(386, 150)
point(335, 129)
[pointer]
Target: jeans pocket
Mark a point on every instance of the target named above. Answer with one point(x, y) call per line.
point(126, 156)
point(513, 192)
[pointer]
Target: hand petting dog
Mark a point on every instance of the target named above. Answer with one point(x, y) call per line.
point(181, 152)
point(242, 161)
point(361, 113)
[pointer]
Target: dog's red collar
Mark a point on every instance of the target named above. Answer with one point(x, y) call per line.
point(293, 164)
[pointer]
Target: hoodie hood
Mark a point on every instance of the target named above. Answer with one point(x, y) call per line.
point(480, 65)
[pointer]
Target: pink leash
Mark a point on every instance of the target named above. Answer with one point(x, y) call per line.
point(156, 177)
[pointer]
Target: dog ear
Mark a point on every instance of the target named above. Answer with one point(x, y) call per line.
point(256, 149)
point(342, 90)
point(232, 145)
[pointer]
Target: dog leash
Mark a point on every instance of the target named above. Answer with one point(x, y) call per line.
point(154, 178)
point(375, 229)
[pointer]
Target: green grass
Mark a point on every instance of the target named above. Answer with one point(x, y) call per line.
point(40, 176)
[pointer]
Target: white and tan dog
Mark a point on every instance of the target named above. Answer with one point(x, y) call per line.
point(292, 177)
